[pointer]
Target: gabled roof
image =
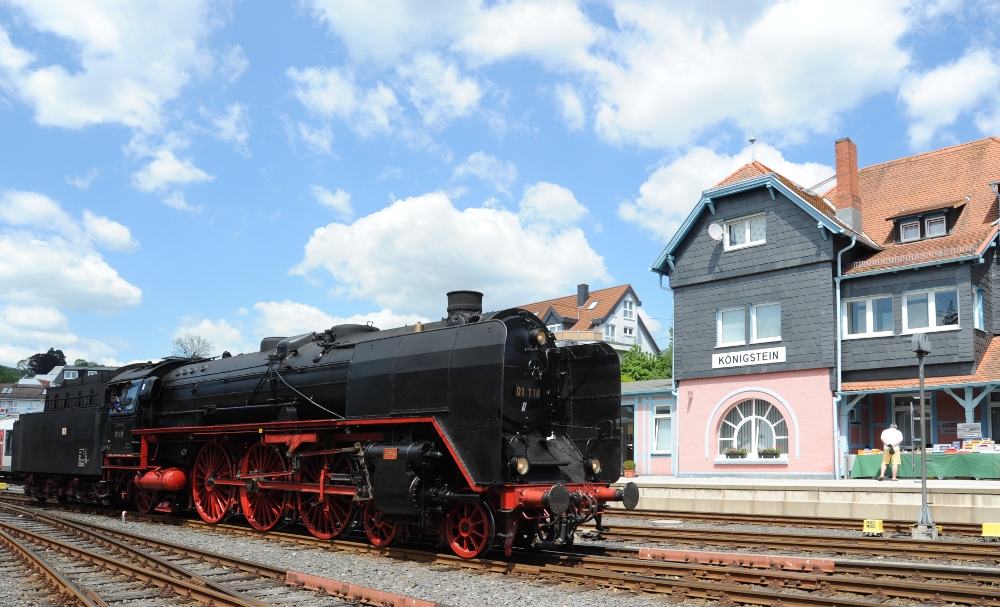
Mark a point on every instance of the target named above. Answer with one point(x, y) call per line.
point(955, 175)
point(755, 175)
point(585, 317)
point(21, 392)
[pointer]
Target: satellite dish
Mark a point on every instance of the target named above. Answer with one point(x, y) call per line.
point(716, 232)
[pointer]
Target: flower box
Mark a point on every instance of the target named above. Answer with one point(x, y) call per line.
point(768, 455)
point(736, 455)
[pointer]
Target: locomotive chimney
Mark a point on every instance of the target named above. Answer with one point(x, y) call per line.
point(465, 303)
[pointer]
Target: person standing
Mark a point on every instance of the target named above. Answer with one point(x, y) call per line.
point(891, 438)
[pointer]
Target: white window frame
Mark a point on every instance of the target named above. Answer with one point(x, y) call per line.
point(927, 226)
point(71, 375)
point(628, 309)
point(978, 310)
point(718, 328)
point(628, 331)
point(753, 323)
point(555, 328)
point(902, 231)
point(869, 318)
point(609, 331)
point(745, 220)
point(931, 312)
point(657, 417)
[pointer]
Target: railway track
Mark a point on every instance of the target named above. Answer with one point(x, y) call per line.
point(960, 529)
point(98, 566)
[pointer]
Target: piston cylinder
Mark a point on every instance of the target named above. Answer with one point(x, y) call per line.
point(169, 479)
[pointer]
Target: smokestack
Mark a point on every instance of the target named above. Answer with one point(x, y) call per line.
point(582, 294)
point(847, 199)
point(465, 302)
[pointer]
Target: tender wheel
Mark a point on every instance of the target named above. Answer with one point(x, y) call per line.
point(326, 516)
point(469, 528)
point(213, 502)
point(264, 508)
point(380, 531)
point(145, 500)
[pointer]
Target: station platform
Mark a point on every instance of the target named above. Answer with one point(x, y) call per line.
point(951, 501)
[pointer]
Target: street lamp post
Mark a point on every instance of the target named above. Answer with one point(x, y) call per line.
point(924, 529)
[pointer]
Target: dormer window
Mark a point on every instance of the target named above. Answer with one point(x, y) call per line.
point(909, 231)
point(935, 226)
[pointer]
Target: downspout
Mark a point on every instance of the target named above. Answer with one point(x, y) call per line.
point(840, 360)
point(675, 419)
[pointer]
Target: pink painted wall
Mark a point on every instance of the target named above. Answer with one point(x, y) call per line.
point(646, 461)
point(803, 397)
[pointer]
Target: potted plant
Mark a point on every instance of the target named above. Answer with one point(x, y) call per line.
point(734, 452)
point(769, 452)
point(628, 466)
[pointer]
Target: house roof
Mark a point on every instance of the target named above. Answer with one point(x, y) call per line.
point(957, 175)
point(22, 391)
point(987, 372)
point(755, 175)
point(585, 317)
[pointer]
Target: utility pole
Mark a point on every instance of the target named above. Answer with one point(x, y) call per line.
point(925, 528)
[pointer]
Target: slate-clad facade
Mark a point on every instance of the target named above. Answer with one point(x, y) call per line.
point(828, 289)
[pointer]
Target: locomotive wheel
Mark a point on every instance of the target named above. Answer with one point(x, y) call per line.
point(213, 502)
point(145, 500)
point(469, 528)
point(380, 531)
point(326, 516)
point(264, 508)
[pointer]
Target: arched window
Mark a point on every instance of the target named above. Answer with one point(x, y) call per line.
point(753, 424)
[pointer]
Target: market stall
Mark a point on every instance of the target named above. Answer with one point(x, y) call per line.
point(939, 465)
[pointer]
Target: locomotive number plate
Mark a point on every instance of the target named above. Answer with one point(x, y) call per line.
point(527, 392)
point(390, 453)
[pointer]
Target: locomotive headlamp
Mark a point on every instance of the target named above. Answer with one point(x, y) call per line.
point(520, 464)
point(595, 465)
point(539, 336)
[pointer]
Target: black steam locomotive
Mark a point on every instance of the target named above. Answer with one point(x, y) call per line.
point(476, 430)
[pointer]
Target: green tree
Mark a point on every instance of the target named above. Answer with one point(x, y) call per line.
point(43, 362)
point(640, 366)
point(83, 362)
point(9, 375)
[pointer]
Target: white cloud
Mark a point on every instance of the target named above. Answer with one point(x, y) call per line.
point(676, 74)
point(232, 126)
point(220, 333)
point(571, 107)
point(109, 234)
point(935, 98)
point(25, 330)
point(332, 93)
point(176, 200)
point(408, 255)
point(234, 63)
point(339, 201)
point(320, 140)
point(129, 60)
point(670, 193)
point(498, 173)
point(438, 91)
point(548, 204)
point(290, 318)
point(166, 171)
point(82, 183)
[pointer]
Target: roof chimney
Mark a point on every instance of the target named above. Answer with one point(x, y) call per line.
point(582, 294)
point(847, 199)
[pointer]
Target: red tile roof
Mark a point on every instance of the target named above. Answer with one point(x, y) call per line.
point(959, 174)
point(566, 307)
point(987, 371)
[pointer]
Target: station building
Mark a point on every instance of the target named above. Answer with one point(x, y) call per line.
point(794, 309)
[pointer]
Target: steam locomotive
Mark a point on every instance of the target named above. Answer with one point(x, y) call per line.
point(476, 431)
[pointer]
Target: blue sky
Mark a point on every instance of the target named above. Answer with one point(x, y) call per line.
point(239, 169)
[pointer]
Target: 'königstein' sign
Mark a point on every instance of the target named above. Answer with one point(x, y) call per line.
point(749, 357)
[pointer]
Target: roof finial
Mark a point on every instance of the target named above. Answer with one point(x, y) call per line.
point(753, 152)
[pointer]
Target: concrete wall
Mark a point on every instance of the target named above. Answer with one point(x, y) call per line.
point(804, 399)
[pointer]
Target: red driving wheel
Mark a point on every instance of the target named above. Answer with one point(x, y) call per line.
point(145, 500)
point(469, 529)
point(264, 508)
point(326, 516)
point(213, 502)
point(380, 531)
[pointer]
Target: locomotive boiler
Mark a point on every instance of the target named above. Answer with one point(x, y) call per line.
point(476, 430)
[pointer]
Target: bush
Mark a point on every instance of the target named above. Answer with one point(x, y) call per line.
point(628, 465)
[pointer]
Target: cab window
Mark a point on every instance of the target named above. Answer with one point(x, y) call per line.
point(128, 402)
